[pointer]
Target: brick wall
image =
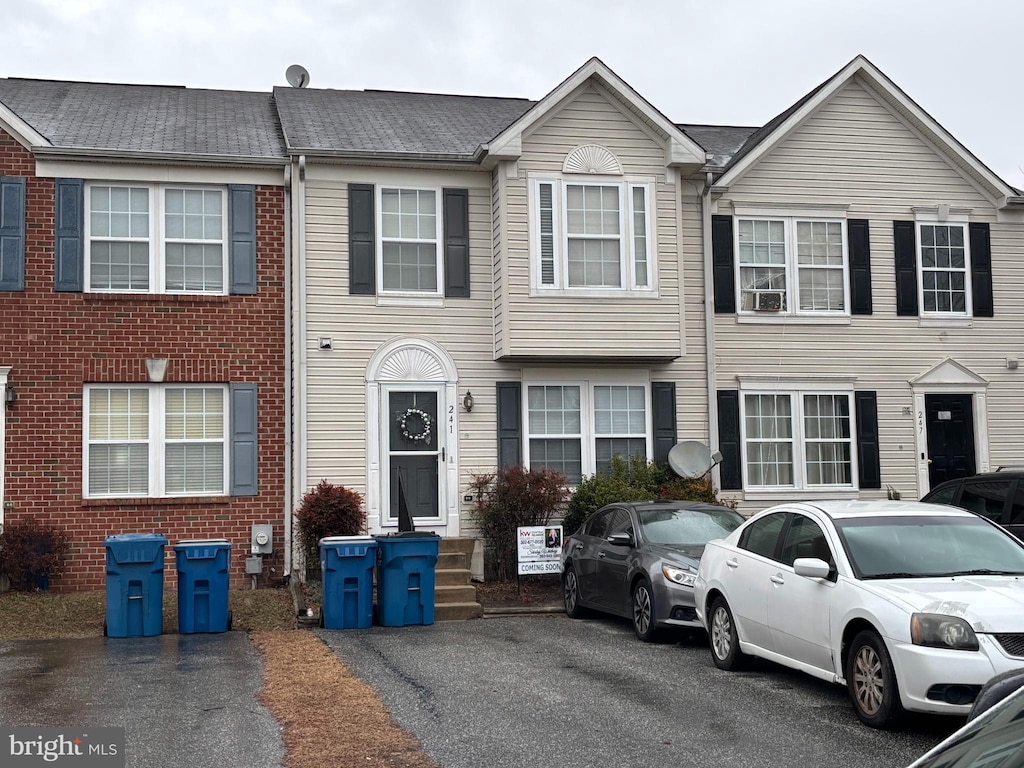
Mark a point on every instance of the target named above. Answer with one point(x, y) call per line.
point(57, 342)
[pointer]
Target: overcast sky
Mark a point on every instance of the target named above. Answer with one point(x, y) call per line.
point(729, 62)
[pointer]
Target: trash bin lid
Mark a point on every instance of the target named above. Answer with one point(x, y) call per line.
point(130, 538)
point(201, 542)
point(340, 539)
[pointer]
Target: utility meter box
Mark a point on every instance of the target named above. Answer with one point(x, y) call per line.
point(262, 539)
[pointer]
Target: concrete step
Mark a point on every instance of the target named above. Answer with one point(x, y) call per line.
point(452, 560)
point(465, 593)
point(452, 577)
point(457, 611)
point(456, 544)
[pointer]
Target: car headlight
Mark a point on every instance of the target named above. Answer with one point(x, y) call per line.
point(938, 631)
point(680, 576)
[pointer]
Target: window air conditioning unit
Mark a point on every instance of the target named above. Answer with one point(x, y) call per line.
point(768, 301)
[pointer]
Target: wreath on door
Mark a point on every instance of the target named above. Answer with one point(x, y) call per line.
point(421, 436)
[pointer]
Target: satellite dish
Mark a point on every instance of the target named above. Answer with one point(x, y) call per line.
point(691, 459)
point(297, 76)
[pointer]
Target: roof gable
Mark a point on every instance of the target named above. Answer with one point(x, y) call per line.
point(761, 142)
point(21, 131)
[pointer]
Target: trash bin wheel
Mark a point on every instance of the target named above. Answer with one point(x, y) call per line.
point(104, 627)
point(231, 619)
point(321, 618)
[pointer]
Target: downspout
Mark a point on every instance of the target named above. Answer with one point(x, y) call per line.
point(288, 388)
point(299, 336)
point(709, 325)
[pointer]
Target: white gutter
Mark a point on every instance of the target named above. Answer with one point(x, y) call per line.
point(289, 248)
point(184, 158)
point(709, 326)
point(298, 337)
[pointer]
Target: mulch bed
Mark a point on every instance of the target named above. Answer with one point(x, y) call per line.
point(527, 592)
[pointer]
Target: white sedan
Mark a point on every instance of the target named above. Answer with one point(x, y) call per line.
point(911, 606)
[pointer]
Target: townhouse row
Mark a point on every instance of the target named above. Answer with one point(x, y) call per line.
point(211, 300)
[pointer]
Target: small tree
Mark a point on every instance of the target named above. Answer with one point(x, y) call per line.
point(510, 498)
point(31, 552)
point(328, 510)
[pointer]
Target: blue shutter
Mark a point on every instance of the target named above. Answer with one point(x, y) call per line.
point(12, 233)
point(729, 439)
point(723, 265)
point(510, 424)
point(69, 233)
point(905, 243)
point(243, 440)
point(663, 417)
point(242, 235)
point(981, 270)
point(868, 464)
point(456, 243)
point(859, 243)
point(361, 248)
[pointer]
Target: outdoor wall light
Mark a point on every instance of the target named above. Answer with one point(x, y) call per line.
point(467, 401)
point(10, 396)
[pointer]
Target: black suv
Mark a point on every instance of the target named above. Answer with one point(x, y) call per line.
point(999, 496)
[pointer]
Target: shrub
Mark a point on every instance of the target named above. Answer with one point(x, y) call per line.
point(328, 510)
point(513, 497)
point(30, 553)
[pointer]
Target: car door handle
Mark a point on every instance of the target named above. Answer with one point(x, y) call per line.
point(577, 547)
point(601, 555)
point(733, 563)
point(777, 579)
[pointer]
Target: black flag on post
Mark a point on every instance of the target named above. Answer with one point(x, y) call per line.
point(404, 518)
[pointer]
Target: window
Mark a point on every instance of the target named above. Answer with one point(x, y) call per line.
point(577, 428)
point(798, 439)
point(410, 233)
point(762, 536)
point(155, 440)
point(804, 538)
point(945, 277)
point(592, 235)
point(154, 239)
point(987, 499)
point(792, 266)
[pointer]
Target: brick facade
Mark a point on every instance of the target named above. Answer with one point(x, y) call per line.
point(57, 342)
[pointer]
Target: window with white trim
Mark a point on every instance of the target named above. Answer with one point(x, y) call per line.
point(410, 233)
point(155, 440)
point(945, 276)
point(592, 235)
point(156, 239)
point(792, 266)
point(576, 428)
point(798, 439)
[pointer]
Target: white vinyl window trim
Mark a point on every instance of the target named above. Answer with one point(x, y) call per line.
point(434, 237)
point(155, 439)
point(790, 284)
point(155, 238)
point(798, 438)
point(550, 236)
point(930, 294)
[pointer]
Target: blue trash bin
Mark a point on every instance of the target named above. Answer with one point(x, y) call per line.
point(203, 582)
point(347, 565)
point(405, 582)
point(135, 584)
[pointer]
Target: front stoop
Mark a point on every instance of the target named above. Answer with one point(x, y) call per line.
point(454, 593)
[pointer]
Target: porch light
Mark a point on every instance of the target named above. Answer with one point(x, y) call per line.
point(10, 396)
point(467, 401)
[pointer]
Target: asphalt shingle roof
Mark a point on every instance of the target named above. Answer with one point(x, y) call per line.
point(390, 122)
point(723, 141)
point(147, 118)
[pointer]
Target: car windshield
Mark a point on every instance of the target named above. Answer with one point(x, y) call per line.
point(995, 739)
point(687, 527)
point(919, 547)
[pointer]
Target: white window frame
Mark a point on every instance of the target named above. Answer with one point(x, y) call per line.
point(796, 392)
point(438, 241)
point(156, 438)
point(627, 236)
point(928, 221)
point(156, 239)
point(588, 427)
point(792, 266)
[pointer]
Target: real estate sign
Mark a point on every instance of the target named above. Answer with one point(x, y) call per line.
point(540, 549)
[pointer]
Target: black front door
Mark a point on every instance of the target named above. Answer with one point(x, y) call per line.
point(414, 453)
point(950, 422)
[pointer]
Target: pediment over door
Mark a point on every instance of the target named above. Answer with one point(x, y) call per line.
point(949, 373)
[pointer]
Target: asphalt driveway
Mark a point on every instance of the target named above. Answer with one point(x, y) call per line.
point(549, 691)
point(184, 700)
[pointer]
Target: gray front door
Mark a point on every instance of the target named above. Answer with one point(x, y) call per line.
point(415, 446)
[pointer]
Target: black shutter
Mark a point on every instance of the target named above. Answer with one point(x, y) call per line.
point(905, 243)
point(870, 472)
point(68, 227)
point(361, 249)
point(12, 233)
point(663, 416)
point(729, 439)
point(510, 424)
point(456, 243)
point(859, 245)
point(723, 264)
point(244, 450)
point(242, 245)
point(981, 270)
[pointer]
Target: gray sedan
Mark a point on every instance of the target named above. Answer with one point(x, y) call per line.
point(639, 560)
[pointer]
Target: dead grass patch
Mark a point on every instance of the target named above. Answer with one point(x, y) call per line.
point(330, 717)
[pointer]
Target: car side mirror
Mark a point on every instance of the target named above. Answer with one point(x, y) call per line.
point(811, 567)
point(620, 540)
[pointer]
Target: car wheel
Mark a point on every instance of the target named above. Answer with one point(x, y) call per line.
point(571, 594)
point(725, 643)
point(644, 618)
point(872, 681)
